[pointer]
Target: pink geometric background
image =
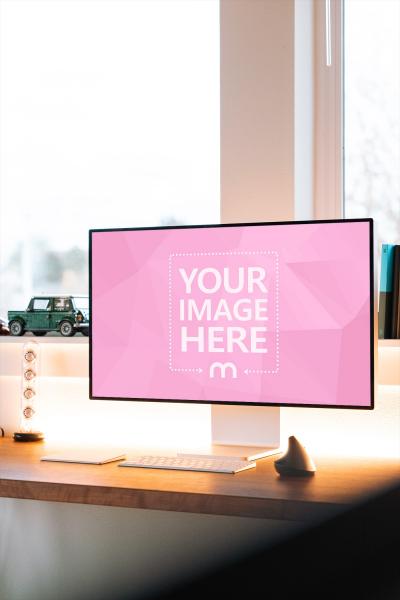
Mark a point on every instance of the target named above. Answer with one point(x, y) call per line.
point(317, 337)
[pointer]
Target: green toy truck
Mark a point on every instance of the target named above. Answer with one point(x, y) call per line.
point(66, 314)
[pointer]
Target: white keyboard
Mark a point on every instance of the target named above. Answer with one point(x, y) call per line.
point(190, 463)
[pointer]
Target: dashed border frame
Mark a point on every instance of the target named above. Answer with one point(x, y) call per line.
point(227, 253)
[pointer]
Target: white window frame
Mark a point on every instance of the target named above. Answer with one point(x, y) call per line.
point(328, 110)
point(281, 110)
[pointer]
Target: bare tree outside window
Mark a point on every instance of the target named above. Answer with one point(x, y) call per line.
point(372, 114)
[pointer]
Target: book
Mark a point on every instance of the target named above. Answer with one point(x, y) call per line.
point(395, 332)
point(386, 292)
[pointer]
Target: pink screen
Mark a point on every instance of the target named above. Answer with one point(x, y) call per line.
point(270, 314)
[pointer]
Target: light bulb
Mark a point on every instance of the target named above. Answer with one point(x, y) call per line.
point(29, 374)
point(30, 355)
point(28, 393)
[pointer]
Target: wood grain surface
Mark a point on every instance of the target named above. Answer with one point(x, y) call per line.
point(258, 492)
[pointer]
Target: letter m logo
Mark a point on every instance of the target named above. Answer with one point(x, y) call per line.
point(222, 369)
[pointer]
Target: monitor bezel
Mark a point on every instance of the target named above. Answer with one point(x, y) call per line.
point(227, 403)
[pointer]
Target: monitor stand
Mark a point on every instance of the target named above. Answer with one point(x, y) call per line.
point(243, 432)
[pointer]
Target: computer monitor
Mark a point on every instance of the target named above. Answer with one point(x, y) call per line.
point(246, 315)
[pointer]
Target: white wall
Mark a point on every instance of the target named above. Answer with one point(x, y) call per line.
point(57, 550)
point(257, 110)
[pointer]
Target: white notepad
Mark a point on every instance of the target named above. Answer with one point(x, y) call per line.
point(91, 457)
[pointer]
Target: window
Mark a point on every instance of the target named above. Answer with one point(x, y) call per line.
point(109, 117)
point(62, 304)
point(372, 114)
point(41, 304)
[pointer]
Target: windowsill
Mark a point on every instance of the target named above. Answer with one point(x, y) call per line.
point(388, 343)
point(68, 357)
point(47, 339)
point(59, 356)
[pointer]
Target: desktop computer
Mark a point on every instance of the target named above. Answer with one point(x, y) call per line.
point(244, 317)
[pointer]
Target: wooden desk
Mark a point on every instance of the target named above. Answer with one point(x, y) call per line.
point(258, 493)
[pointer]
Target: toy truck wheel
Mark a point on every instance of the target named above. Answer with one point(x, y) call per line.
point(16, 328)
point(66, 329)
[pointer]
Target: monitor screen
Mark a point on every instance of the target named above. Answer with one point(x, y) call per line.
point(267, 314)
